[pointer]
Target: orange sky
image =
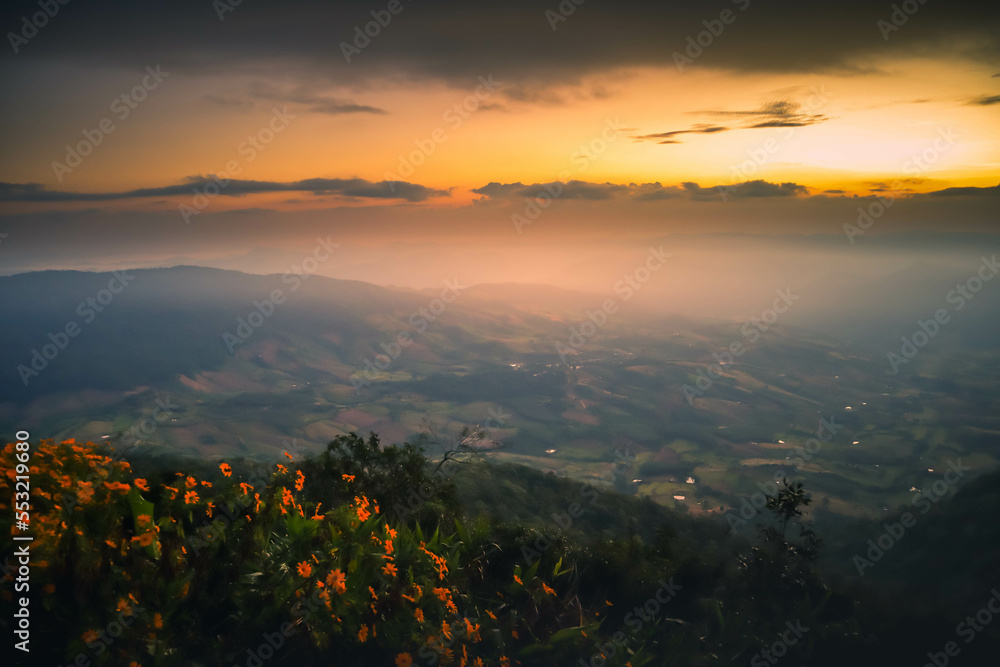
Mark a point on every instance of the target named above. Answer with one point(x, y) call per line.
point(836, 111)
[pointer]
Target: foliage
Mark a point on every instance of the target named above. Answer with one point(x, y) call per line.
point(308, 564)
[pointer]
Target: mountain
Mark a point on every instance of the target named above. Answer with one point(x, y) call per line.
point(207, 362)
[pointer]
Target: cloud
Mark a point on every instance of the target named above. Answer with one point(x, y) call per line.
point(985, 100)
point(778, 113)
point(456, 41)
point(655, 192)
point(567, 190)
point(747, 189)
point(310, 100)
point(641, 192)
point(349, 187)
point(701, 128)
point(227, 102)
point(992, 191)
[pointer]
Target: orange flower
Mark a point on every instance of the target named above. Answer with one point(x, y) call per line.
point(419, 615)
point(363, 633)
point(141, 485)
point(335, 580)
point(518, 580)
point(86, 492)
point(404, 660)
point(226, 470)
point(190, 498)
point(389, 569)
point(290, 457)
point(143, 520)
point(388, 546)
point(244, 488)
point(90, 636)
point(145, 539)
point(157, 620)
point(206, 483)
point(282, 469)
point(173, 491)
point(548, 589)
point(191, 482)
point(300, 480)
point(305, 569)
point(349, 478)
point(286, 497)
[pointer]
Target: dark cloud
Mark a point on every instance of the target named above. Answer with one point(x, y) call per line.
point(985, 100)
point(304, 96)
point(567, 190)
point(349, 187)
point(643, 192)
point(776, 113)
point(695, 129)
point(780, 113)
point(993, 191)
point(748, 189)
point(456, 41)
point(655, 192)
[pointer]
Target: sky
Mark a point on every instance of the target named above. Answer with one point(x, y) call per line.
point(195, 131)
